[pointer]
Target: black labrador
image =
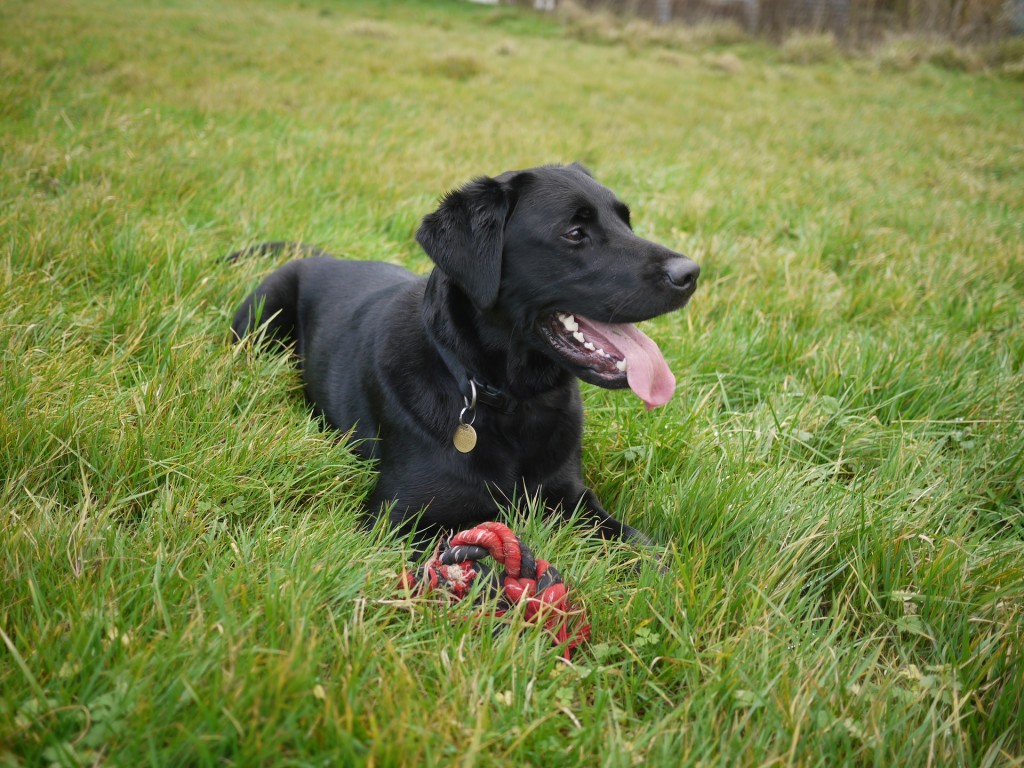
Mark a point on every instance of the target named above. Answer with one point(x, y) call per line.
point(462, 384)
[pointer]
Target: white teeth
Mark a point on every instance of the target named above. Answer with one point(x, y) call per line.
point(569, 322)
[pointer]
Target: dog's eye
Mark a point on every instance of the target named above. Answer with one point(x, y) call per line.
point(574, 235)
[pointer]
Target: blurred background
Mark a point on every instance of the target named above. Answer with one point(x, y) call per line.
point(856, 21)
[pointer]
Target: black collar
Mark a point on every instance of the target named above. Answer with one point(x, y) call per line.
point(494, 398)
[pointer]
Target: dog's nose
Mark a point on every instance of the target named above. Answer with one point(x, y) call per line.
point(682, 273)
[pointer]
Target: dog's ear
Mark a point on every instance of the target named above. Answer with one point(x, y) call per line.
point(465, 235)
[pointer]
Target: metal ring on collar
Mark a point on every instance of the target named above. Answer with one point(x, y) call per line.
point(470, 405)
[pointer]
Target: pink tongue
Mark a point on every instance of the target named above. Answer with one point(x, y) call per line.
point(646, 370)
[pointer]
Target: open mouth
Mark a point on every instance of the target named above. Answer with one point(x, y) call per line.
point(611, 355)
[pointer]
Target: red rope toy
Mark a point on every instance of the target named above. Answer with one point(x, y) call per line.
point(455, 566)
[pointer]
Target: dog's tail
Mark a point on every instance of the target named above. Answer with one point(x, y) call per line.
point(273, 304)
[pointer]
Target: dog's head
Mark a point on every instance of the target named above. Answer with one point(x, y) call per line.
point(552, 252)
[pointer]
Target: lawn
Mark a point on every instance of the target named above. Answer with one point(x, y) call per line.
point(838, 481)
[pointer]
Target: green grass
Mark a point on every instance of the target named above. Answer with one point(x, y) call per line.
point(839, 479)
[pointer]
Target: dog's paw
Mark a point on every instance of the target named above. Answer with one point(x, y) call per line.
point(651, 551)
point(633, 536)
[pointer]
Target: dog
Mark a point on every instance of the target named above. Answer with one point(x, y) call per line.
point(462, 385)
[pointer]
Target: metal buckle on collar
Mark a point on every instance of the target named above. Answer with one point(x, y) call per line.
point(470, 405)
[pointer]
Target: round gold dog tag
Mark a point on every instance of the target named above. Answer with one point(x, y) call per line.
point(464, 438)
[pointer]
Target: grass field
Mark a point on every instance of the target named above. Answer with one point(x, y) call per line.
point(839, 479)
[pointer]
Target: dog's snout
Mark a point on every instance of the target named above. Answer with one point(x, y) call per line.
point(682, 273)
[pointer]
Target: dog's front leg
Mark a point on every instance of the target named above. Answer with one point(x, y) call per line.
point(586, 500)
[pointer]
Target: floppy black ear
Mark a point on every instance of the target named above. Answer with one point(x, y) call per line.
point(464, 237)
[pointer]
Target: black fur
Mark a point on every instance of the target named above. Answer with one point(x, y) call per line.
point(389, 355)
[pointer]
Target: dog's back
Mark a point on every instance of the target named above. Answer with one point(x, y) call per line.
point(332, 313)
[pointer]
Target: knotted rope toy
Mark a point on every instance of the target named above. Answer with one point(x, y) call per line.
point(455, 566)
